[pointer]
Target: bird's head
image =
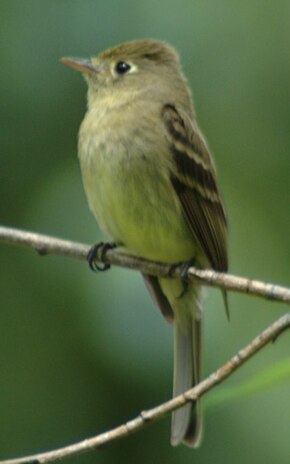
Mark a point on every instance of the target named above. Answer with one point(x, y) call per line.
point(131, 68)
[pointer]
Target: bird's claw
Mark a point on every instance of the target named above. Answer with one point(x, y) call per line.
point(183, 273)
point(93, 254)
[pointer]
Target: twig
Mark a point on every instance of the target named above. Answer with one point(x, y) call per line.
point(45, 245)
point(152, 415)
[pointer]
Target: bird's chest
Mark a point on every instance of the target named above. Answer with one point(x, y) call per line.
point(127, 183)
point(119, 180)
point(113, 182)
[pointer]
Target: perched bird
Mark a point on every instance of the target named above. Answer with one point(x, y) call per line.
point(151, 184)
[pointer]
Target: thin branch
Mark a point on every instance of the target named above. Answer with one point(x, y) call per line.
point(45, 245)
point(152, 415)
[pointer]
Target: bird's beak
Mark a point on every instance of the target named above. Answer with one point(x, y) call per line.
point(81, 65)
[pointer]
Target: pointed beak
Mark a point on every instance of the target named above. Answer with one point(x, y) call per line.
point(81, 65)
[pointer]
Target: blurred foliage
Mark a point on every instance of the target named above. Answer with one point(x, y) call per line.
point(261, 381)
point(80, 353)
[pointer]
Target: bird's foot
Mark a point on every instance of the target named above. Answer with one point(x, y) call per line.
point(99, 251)
point(184, 266)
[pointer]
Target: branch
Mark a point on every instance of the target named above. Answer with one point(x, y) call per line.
point(45, 245)
point(152, 415)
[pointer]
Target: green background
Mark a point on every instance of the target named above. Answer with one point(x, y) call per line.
point(81, 353)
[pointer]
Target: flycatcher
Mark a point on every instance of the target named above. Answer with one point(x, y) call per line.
point(151, 184)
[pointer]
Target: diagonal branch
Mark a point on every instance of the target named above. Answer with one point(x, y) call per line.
point(45, 244)
point(152, 415)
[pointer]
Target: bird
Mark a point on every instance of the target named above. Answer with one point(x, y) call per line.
point(151, 184)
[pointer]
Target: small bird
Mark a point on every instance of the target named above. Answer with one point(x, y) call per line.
point(151, 184)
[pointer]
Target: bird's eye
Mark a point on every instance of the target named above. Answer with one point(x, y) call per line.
point(122, 67)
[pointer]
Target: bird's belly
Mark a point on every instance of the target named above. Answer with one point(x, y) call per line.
point(136, 205)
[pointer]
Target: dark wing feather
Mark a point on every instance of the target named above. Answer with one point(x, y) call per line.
point(195, 183)
point(159, 297)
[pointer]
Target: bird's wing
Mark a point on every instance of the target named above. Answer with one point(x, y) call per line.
point(195, 183)
point(158, 297)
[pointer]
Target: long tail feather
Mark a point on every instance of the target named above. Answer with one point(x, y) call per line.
point(182, 308)
point(186, 421)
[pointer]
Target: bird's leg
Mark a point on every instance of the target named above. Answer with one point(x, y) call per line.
point(184, 266)
point(93, 254)
point(184, 274)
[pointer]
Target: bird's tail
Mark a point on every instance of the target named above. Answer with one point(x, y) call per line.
point(181, 307)
point(187, 421)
